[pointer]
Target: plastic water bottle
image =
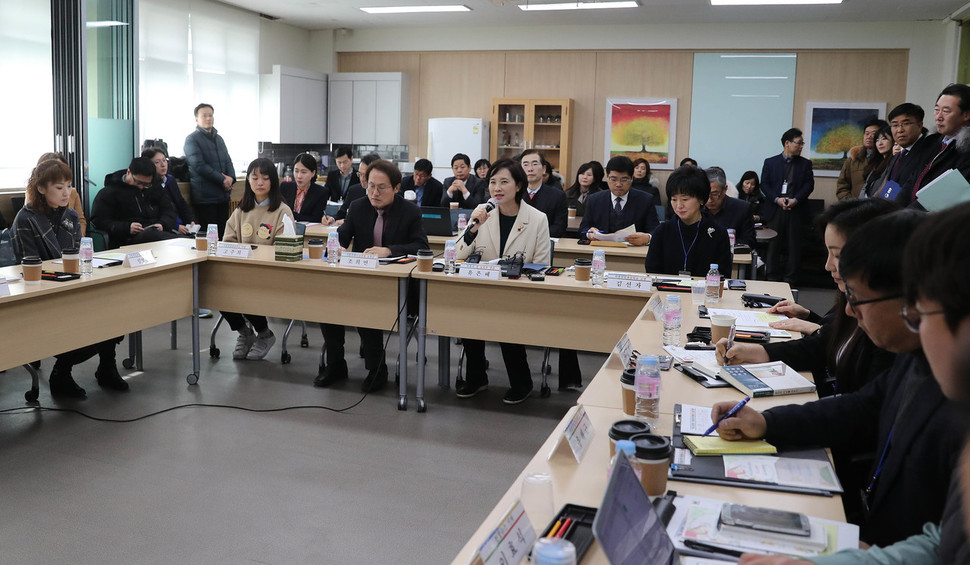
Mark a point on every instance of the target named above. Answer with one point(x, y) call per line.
point(732, 238)
point(212, 238)
point(624, 448)
point(462, 222)
point(333, 248)
point(712, 294)
point(598, 272)
point(87, 256)
point(648, 390)
point(450, 253)
point(673, 314)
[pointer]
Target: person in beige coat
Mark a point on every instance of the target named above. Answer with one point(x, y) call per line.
point(511, 227)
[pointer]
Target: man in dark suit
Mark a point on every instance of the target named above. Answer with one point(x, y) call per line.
point(386, 225)
point(730, 213)
point(340, 180)
point(621, 207)
point(906, 121)
point(464, 188)
point(356, 191)
point(943, 150)
point(427, 189)
point(551, 201)
point(787, 181)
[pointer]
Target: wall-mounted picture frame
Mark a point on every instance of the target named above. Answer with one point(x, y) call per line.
point(642, 128)
point(832, 129)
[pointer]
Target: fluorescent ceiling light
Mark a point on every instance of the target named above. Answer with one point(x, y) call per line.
point(415, 9)
point(770, 2)
point(579, 5)
point(103, 24)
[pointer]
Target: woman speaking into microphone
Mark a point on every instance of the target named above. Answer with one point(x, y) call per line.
point(511, 227)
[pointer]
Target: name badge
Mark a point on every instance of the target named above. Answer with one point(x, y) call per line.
point(358, 260)
point(4, 287)
point(139, 258)
point(238, 250)
point(656, 306)
point(624, 348)
point(480, 271)
point(578, 435)
point(629, 281)
point(510, 542)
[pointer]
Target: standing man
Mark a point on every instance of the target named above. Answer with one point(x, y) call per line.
point(942, 151)
point(210, 170)
point(427, 189)
point(464, 188)
point(729, 212)
point(543, 197)
point(906, 121)
point(344, 177)
point(853, 176)
point(131, 208)
point(787, 181)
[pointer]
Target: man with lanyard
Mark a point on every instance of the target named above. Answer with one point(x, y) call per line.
point(787, 181)
point(551, 201)
point(952, 114)
point(344, 177)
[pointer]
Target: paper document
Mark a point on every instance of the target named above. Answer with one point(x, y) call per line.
point(181, 242)
point(752, 320)
point(695, 419)
point(619, 236)
point(945, 191)
point(704, 360)
point(802, 473)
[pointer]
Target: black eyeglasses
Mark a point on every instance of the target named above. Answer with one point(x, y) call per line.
point(912, 316)
point(854, 304)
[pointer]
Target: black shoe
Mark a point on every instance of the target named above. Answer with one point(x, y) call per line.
point(108, 377)
point(375, 380)
point(327, 376)
point(516, 396)
point(63, 385)
point(468, 388)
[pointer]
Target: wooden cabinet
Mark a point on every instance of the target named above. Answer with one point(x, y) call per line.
point(534, 123)
point(293, 106)
point(369, 108)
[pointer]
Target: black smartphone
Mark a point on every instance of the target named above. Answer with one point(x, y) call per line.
point(737, 284)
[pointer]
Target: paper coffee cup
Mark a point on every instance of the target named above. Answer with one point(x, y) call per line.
point(201, 243)
point(653, 454)
point(572, 212)
point(72, 262)
point(32, 268)
point(625, 429)
point(581, 268)
point(425, 260)
point(720, 327)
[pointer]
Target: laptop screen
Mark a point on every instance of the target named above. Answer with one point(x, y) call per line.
point(627, 525)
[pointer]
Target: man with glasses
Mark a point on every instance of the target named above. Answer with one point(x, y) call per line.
point(547, 199)
point(730, 213)
point(852, 178)
point(906, 121)
point(787, 181)
point(898, 417)
point(388, 226)
point(620, 207)
point(130, 209)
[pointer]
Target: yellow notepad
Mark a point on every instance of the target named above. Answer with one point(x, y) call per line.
point(713, 445)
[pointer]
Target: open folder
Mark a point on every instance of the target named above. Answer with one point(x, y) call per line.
point(945, 191)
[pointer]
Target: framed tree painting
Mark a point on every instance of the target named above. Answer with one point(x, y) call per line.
point(642, 128)
point(834, 128)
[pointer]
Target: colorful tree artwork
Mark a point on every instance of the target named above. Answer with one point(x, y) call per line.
point(833, 129)
point(641, 129)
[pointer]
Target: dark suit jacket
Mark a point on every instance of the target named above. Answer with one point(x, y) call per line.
point(333, 184)
point(477, 193)
point(403, 228)
point(638, 210)
point(552, 202)
point(905, 167)
point(936, 163)
point(433, 189)
point(800, 186)
point(314, 203)
point(355, 192)
point(736, 215)
point(911, 489)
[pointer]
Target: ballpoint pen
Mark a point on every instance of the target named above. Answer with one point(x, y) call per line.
point(730, 413)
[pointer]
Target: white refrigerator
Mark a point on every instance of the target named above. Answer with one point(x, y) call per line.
point(448, 136)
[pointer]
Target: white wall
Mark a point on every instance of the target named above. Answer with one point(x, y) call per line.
point(283, 44)
point(932, 61)
point(323, 56)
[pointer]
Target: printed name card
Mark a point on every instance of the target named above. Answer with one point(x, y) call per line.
point(578, 435)
point(511, 541)
point(629, 281)
point(139, 258)
point(656, 306)
point(4, 287)
point(624, 348)
point(358, 260)
point(237, 250)
point(480, 271)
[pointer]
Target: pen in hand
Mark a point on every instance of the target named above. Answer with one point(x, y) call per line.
point(730, 414)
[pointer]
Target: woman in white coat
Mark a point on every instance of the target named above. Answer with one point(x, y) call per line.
point(511, 227)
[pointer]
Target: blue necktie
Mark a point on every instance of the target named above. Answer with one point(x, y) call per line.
point(617, 208)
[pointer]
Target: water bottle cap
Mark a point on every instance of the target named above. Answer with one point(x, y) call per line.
point(87, 240)
point(553, 551)
point(673, 299)
point(626, 446)
point(713, 265)
point(450, 242)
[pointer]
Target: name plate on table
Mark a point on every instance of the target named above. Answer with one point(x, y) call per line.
point(4, 287)
point(139, 258)
point(578, 435)
point(238, 250)
point(624, 348)
point(480, 271)
point(656, 306)
point(629, 281)
point(358, 260)
point(510, 542)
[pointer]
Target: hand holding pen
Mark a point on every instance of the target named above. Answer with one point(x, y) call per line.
point(731, 413)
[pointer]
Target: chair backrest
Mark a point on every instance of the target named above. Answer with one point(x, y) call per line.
point(7, 256)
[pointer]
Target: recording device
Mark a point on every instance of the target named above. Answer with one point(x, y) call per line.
point(512, 266)
point(759, 300)
point(475, 257)
point(737, 284)
point(537, 277)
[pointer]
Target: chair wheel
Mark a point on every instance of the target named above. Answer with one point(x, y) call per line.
point(127, 363)
point(192, 378)
point(214, 352)
point(422, 407)
point(304, 343)
point(31, 395)
point(402, 403)
point(545, 392)
point(285, 357)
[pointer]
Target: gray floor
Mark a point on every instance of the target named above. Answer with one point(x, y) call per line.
point(213, 485)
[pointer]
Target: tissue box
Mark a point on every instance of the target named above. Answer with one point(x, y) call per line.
point(289, 248)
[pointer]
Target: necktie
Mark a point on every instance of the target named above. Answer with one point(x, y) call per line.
point(617, 208)
point(919, 180)
point(379, 229)
point(532, 196)
point(892, 174)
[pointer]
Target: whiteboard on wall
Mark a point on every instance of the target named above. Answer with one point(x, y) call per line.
point(741, 104)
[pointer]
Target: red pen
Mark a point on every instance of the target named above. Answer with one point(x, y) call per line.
point(565, 527)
